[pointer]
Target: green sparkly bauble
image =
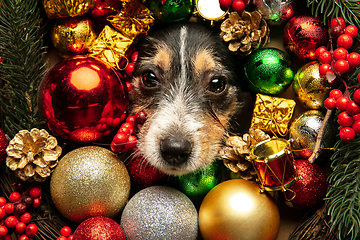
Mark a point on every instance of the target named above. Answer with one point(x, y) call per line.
point(196, 185)
point(171, 11)
point(269, 71)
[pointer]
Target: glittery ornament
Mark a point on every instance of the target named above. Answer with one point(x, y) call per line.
point(143, 174)
point(67, 8)
point(33, 155)
point(303, 35)
point(160, 212)
point(171, 11)
point(303, 132)
point(310, 88)
point(196, 185)
point(90, 181)
point(275, 11)
point(310, 190)
point(104, 8)
point(235, 209)
point(73, 36)
point(269, 71)
point(83, 100)
point(99, 228)
point(3, 145)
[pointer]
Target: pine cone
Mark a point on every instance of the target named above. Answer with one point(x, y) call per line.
point(245, 33)
point(238, 148)
point(33, 155)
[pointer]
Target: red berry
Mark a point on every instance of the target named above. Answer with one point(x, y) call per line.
point(319, 50)
point(6, 237)
point(131, 144)
point(71, 237)
point(347, 134)
point(35, 192)
point(356, 96)
point(351, 30)
point(341, 103)
point(344, 41)
point(335, 93)
point(25, 218)
point(29, 201)
point(336, 31)
point(325, 57)
point(353, 59)
point(31, 230)
point(330, 103)
point(353, 108)
point(11, 221)
point(65, 231)
point(37, 202)
point(324, 68)
point(2, 213)
point(341, 66)
point(140, 117)
point(2, 201)
point(225, 4)
point(356, 126)
point(129, 69)
point(116, 148)
point(20, 228)
point(340, 53)
point(345, 120)
point(3, 231)
point(134, 56)
point(61, 238)
point(130, 126)
point(23, 237)
point(120, 138)
point(15, 197)
point(9, 208)
point(131, 119)
point(238, 5)
point(338, 21)
point(20, 208)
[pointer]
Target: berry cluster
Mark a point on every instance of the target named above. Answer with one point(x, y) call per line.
point(338, 61)
point(65, 234)
point(125, 139)
point(236, 5)
point(349, 118)
point(130, 68)
point(14, 216)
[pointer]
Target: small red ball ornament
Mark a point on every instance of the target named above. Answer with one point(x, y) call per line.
point(310, 189)
point(303, 35)
point(99, 228)
point(83, 100)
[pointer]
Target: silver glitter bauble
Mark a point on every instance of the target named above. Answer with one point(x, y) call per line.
point(304, 130)
point(160, 212)
point(90, 181)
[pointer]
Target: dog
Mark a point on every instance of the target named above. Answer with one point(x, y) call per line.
point(185, 81)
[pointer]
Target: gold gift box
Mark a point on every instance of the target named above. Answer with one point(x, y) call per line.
point(67, 8)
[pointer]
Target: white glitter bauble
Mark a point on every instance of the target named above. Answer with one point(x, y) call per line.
point(160, 212)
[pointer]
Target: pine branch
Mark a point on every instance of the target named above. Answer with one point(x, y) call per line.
point(22, 67)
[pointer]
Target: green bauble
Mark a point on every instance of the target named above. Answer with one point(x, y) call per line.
point(171, 11)
point(269, 71)
point(196, 185)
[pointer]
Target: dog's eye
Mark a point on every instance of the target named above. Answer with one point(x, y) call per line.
point(217, 85)
point(149, 79)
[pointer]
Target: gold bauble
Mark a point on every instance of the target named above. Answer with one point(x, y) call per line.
point(236, 209)
point(310, 88)
point(73, 36)
point(90, 181)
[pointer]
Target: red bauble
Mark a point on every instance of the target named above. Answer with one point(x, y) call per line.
point(99, 228)
point(303, 35)
point(143, 174)
point(104, 8)
point(311, 189)
point(3, 145)
point(83, 100)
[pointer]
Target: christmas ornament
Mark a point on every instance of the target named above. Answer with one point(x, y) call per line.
point(83, 100)
point(160, 212)
point(104, 8)
point(310, 88)
point(303, 132)
point(73, 36)
point(269, 71)
point(238, 148)
point(310, 189)
point(33, 155)
point(196, 185)
point(90, 181)
point(273, 162)
point(99, 228)
point(3, 145)
point(143, 174)
point(171, 11)
point(245, 32)
point(303, 35)
point(272, 114)
point(211, 10)
point(66, 8)
point(275, 11)
point(235, 209)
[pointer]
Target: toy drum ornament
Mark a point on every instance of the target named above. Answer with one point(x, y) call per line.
point(210, 10)
point(273, 162)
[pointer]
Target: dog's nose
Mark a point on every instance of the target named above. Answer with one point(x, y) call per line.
point(175, 150)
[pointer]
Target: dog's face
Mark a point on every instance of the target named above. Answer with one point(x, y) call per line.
point(184, 81)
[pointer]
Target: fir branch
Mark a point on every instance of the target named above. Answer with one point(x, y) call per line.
point(22, 67)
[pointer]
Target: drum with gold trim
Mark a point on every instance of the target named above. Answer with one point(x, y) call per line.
point(210, 10)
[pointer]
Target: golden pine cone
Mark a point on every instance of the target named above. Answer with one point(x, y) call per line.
point(245, 33)
point(33, 155)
